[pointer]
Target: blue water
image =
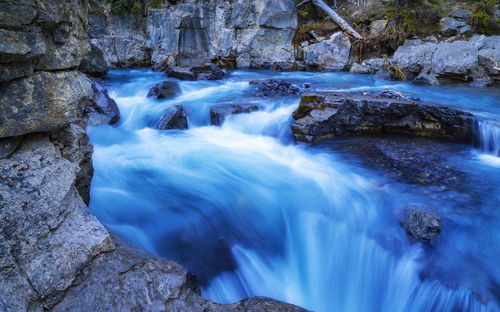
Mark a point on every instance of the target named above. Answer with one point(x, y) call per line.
point(252, 213)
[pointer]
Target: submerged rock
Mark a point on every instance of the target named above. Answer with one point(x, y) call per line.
point(173, 118)
point(164, 90)
point(422, 224)
point(101, 108)
point(219, 112)
point(326, 115)
point(275, 87)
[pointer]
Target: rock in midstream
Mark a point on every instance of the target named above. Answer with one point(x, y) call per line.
point(219, 112)
point(174, 117)
point(327, 115)
point(164, 90)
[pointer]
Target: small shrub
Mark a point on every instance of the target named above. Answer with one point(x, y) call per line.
point(136, 11)
point(155, 4)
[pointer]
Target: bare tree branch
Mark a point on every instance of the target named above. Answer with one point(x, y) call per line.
point(339, 20)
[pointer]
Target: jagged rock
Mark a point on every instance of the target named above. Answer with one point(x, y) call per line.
point(415, 56)
point(489, 55)
point(94, 63)
point(73, 143)
point(164, 90)
point(462, 14)
point(174, 117)
point(219, 112)
point(42, 102)
point(451, 27)
point(422, 224)
point(47, 230)
point(377, 27)
point(275, 87)
point(101, 108)
point(240, 34)
point(326, 115)
point(454, 59)
point(331, 54)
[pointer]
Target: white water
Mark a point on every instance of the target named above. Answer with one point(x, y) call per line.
point(252, 214)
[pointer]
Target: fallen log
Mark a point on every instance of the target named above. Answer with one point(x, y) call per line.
point(339, 20)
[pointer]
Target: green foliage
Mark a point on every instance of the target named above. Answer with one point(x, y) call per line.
point(154, 4)
point(136, 11)
point(482, 18)
point(119, 6)
point(325, 28)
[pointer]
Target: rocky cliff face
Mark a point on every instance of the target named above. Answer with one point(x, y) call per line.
point(240, 33)
point(54, 254)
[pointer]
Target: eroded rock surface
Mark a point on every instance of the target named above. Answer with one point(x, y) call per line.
point(240, 33)
point(164, 90)
point(326, 115)
point(421, 224)
point(101, 108)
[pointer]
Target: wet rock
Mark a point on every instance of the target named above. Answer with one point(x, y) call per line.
point(422, 224)
point(174, 117)
point(275, 87)
point(164, 90)
point(94, 63)
point(326, 115)
point(182, 73)
point(101, 108)
point(454, 59)
point(362, 68)
point(415, 56)
point(219, 112)
point(209, 72)
point(331, 54)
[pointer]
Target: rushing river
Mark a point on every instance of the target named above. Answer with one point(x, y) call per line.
point(251, 213)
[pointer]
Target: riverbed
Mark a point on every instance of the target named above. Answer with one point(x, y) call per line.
point(252, 213)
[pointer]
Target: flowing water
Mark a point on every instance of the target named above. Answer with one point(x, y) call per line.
point(252, 213)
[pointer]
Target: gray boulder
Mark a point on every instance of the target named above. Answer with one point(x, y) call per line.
point(455, 59)
point(422, 224)
point(451, 27)
point(219, 112)
point(331, 54)
point(275, 87)
point(377, 27)
point(164, 90)
point(462, 14)
point(182, 73)
point(415, 56)
point(101, 108)
point(327, 115)
point(94, 63)
point(174, 117)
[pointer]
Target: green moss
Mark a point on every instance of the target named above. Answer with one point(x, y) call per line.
point(302, 111)
point(136, 11)
point(325, 29)
point(482, 18)
point(119, 6)
point(155, 4)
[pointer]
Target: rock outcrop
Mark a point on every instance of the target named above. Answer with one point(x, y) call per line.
point(174, 117)
point(433, 62)
point(219, 112)
point(241, 33)
point(197, 72)
point(328, 115)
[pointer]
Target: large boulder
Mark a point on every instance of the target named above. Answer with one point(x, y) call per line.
point(327, 115)
point(421, 224)
point(458, 58)
point(415, 56)
point(164, 90)
point(219, 112)
point(197, 72)
point(101, 108)
point(174, 117)
point(331, 54)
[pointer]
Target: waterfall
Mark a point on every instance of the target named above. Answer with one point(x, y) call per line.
point(488, 137)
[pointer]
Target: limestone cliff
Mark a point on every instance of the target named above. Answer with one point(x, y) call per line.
point(240, 33)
